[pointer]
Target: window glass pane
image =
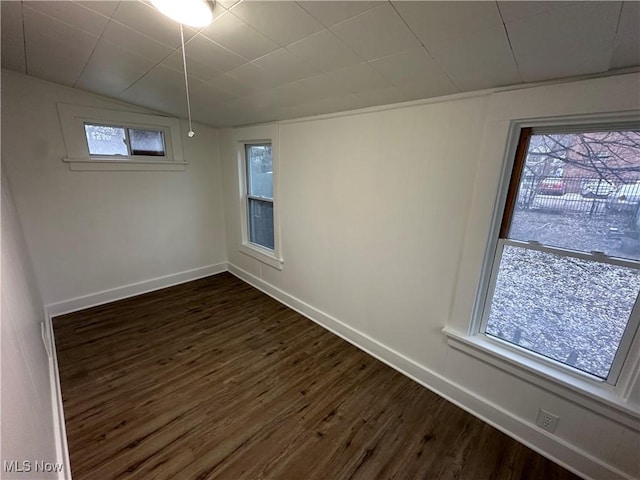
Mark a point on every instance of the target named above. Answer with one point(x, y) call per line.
point(259, 170)
point(571, 310)
point(146, 142)
point(105, 140)
point(261, 223)
point(581, 191)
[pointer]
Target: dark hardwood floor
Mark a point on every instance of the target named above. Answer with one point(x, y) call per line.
point(213, 379)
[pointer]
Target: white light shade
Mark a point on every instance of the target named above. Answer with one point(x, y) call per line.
point(195, 13)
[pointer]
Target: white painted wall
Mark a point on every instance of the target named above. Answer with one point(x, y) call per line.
point(385, 219)
point(27, 427)
point(90, 232)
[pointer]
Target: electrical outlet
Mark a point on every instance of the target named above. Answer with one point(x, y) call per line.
point(547, 421)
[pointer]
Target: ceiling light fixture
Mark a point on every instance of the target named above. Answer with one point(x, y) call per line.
point(194, 13)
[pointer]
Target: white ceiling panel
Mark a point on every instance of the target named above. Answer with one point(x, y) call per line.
point(262, 60)
point(282, 22)
point(150, 22)
point(207, 52)
point(478, 59)
point(112, 69)
point(12, 40)
point(376, 33)
point(104, 7)
point(235, 35)
point(436, 23)
point(73, 14)
point(324, 51)
point(577, 40)
point(626, 49)
point(358, 78)
point(330, 13)
point(54, 50)
point(285, 67)
point(128, 38)
point(195, 68)
point(413, 66)
point(515, 10)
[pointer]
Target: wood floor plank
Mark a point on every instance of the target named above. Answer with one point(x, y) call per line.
point(213, 379)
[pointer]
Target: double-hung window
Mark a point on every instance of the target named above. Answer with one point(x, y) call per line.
point(565, 278)
point(259, 195)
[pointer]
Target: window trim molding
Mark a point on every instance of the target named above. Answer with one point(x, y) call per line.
point(73, 119)
point(519, 360)
point(251, 136)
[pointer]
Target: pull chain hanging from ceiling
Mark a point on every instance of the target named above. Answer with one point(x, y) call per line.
point(186, 81)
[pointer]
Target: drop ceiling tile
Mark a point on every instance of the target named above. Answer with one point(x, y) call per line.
point(161, 89)
point(425, 89)
point(140, 44)
point(514, 10)
point(202, 71)
point(413, 66)
point(207, 52)
point(202, 91)
point(330, 13)
point(308, 90)
point(439, 22)
point(55, 51)
point(577, 40)
point(478, 59)
point(112, 69)
point(282, 22)
point(104, 7)
point(235, 35)
point(12, 41)
point(285, 67)
point(254, 77)
point(357, 78)
point(363, 33)
point(150, 22)
point(626, 48)
point(227, 3)
point(324, 51)
point(72, 14)
point(231, 85)
point(320, 107)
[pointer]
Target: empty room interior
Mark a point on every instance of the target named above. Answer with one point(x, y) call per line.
point(320, 240)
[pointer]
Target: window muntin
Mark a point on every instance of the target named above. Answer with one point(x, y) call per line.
point(116, 140)
point(565, 279)
point(259, 182)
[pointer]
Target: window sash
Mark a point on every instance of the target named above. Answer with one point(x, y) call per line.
point(127, 140)
point(254, 198)
point(632, 323)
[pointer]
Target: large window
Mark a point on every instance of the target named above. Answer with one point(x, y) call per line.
point(259, 181)
point(565, 279)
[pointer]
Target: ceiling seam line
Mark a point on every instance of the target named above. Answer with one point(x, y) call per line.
point(92, 52)
point(506, 32)
point(424, 47)
point(615, 36)
point(24, 38)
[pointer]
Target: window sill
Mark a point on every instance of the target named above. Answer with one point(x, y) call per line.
point(582, 389)
point(263, 255)
point(103, 164)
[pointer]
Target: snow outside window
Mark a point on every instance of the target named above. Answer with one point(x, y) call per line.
point(565, 280)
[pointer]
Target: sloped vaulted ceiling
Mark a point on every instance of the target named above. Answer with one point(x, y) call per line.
point(272, 60)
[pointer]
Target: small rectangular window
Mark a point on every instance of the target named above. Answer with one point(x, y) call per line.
point(107, 140)
point(566, 272)
point(259, 171)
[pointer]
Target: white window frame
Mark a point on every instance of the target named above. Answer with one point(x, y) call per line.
point(263, 134)
point(609, 400)
point(73, 119)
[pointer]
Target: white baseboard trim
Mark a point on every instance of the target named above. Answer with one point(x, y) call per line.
point(557, 450)
point(131, 290)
